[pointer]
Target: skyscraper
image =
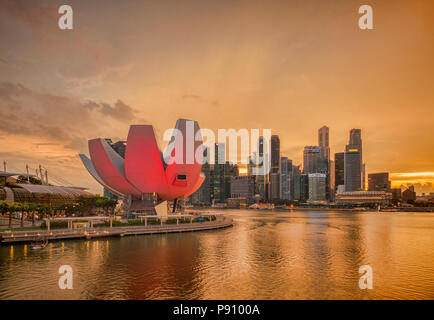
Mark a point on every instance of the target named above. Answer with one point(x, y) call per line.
point(274, 178)
point(339, 169)
point(301, 187)
point(285, 178)
point(323, 142)
point(353, 173)
point(230, 170)
point(317, 186)
point(275, 154)
point(218, 193)
point(379, 182)
point(352, 170)
point(313, 161)
point(203, 194)
point(261, 160)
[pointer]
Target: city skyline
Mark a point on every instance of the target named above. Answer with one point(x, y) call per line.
point(249, 66)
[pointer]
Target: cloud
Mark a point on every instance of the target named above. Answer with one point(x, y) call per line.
point(63, 120)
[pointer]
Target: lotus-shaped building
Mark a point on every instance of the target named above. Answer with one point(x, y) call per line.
point(145, 174)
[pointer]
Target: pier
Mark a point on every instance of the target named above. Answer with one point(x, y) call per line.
point(98, 232)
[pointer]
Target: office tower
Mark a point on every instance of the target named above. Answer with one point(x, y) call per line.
point(353, 174)
point(275, 154)
point(379, 182)
point(274, 186)
point(261, 159)
point(243, 187)
point(356, 138)
point(274, 177)
point(218, 193)
point(311, 159)
point(296, 171)
point(323, 142)
point(331, 185)
point(203, 194)
point(352, 170)
point(301, 188)
point(285, 178)
point(317, 186)
point(230, 170)
point(339, 169)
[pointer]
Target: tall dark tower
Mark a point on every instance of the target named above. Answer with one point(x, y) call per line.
point(353, 174)
point(274, 184)
point(323, 142)
point(275, 154)
point(339, 169)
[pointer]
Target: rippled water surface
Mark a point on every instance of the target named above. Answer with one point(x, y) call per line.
point(265, 255)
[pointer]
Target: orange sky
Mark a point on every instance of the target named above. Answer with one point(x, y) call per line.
point(291, 66)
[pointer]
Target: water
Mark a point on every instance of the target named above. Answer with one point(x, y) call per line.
point(266, 255)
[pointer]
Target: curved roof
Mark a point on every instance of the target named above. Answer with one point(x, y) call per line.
point(36, 188)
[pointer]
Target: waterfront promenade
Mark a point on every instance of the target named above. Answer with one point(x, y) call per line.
point(97, 232)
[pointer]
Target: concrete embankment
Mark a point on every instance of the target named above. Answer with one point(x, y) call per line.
point(89, 233)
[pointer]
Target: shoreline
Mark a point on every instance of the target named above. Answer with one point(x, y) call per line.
point(386, 210)
point(101, 232)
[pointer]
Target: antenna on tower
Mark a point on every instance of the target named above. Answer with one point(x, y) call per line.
point(28, 175)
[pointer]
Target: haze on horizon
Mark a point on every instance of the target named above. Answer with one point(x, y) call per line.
point(292, 66)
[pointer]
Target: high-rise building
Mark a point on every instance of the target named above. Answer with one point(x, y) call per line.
point(285, 178)
point(339, 169)
point(353, 174)
point(296, 171)
point(352, 170)
point(230, 170)
point(203, 194)
point(274, 177)
point(311, 159)
point(274, 186)
point(218, 193)
point(323, 142)
point(301, 188)
point(379, 182)
point(317, 187)
point(261, 159)
point(275, 154)
point(243, 187)
point(331, 185)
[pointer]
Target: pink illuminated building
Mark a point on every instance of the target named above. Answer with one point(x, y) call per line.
point(145, 178)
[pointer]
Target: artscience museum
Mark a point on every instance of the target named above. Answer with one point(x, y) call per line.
point(146, 178)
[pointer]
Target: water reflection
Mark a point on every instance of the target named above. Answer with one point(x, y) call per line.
point(266, 255)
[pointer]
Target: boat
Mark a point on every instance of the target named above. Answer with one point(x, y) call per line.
point(39, 244)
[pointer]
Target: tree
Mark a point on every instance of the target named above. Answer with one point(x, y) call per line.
point(23, 208)
point(12, 209)
point(32, 209)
